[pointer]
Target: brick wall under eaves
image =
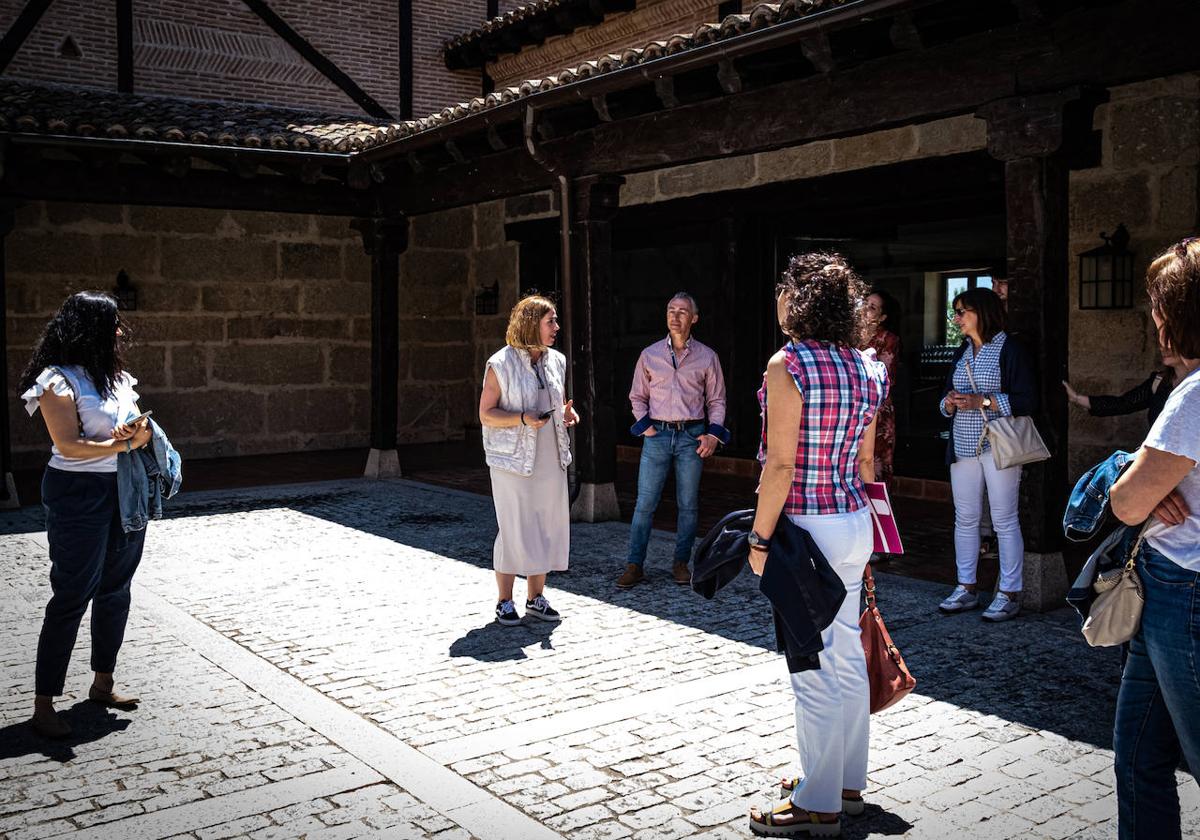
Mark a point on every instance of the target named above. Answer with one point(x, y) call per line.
point(219, 49)
point(651, 20)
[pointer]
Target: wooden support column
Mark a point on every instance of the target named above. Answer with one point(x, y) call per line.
point(1034, 137)
point(384, 240)
point(596, 200)
point(8, 489)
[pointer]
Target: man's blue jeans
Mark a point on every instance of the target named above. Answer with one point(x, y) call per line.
point(1158, 707)
point(668, 448)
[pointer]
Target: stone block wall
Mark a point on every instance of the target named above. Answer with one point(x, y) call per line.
point(1149, 180)
point(451, 256)
point(253, 330)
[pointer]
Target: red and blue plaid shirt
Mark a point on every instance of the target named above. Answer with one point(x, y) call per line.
point(843, 389)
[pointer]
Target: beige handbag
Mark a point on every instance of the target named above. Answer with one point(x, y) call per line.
point(1116, 613)
point(1014, 440)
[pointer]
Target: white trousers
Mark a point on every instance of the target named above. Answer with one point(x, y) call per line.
point(833, 704)
point(968, 476)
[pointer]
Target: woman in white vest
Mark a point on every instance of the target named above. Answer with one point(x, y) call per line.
point(524, 413)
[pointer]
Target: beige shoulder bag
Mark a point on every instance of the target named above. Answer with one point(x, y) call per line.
point(1014, 440)
point(1116, 612)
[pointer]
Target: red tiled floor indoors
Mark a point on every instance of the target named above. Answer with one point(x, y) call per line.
point(926, 525)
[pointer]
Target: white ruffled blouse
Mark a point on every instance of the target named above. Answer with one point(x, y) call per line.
point(97, 415)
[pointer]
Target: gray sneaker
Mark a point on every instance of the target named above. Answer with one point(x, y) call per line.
point(1002, 608)
point(960, 600)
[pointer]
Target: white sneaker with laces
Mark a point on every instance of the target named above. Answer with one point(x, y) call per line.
point(1002, 608)
point(960, 600)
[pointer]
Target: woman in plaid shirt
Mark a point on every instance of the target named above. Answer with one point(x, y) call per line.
point(818, 448)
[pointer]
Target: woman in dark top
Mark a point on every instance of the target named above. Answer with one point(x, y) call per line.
point(1150, 395)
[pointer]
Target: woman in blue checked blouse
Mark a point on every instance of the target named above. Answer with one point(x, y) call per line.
point(991, 372)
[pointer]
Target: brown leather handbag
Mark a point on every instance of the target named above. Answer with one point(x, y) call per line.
point(889, 676)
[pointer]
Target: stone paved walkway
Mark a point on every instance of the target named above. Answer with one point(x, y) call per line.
point(319, 661)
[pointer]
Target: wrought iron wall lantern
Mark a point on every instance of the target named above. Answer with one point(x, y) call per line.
point(124, 292)
point(1106, 273)
point(487, 299)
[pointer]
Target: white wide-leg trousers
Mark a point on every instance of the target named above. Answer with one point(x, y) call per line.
point(833, 704)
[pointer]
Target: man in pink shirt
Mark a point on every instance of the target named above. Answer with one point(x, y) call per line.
point(678, 400)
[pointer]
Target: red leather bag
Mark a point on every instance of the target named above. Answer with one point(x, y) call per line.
point(890, 678)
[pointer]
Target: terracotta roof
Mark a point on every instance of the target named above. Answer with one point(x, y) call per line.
point(759, 17)
point(31, 107)
point(73, 110)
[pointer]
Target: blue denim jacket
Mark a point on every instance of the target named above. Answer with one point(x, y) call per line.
point(1085, 512)
point(1089, 500)
point(144, 476)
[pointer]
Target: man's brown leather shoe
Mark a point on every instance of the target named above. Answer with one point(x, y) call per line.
point(633, 576)
point(681, 573)
point(109, 698)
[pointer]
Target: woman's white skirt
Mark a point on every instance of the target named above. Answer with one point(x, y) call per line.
point(533, 513)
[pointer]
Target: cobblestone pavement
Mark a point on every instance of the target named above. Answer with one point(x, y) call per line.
point(319, 660)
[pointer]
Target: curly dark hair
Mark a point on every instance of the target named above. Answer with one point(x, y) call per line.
point(1173, 284)
point(83, 332)
point(821, 296)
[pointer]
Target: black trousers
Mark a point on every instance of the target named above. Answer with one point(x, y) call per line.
point(92, 560)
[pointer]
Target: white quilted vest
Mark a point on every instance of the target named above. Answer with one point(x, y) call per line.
point(514, 448)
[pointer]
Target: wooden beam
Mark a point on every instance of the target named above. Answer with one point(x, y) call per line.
point(818, 52)
point(7, 490)
point(30, 179)
point(600, 105)
point(664, 89)
point(595, 204)
point(125, 46)
point(314, 57)
point(916, 86)
point(904, 33)
point(20, 29)
point(728, 76)
point(384, 240)
point(406, 59)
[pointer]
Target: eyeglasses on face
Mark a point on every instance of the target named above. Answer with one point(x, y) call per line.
point(958, 311)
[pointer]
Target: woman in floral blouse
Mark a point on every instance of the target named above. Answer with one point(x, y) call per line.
point(878, 310)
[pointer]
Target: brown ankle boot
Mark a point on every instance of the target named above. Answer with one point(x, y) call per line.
point(633, 576)
point(110, 698)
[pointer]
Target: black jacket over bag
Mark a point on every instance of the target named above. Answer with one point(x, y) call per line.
point(804, 591)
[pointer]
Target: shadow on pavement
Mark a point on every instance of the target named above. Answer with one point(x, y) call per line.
point(1035, 671)
point(874, 822)
point(88, 721)
point(494, 642)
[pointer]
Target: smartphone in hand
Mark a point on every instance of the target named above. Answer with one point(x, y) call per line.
point(139, 418)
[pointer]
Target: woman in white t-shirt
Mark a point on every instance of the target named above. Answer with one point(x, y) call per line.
point(77, 378)
point(1158, 708)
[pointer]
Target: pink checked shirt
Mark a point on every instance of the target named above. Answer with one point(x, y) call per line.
point(682, 386)
point(843, 389)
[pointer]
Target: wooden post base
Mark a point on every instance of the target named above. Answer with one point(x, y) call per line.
point(12, 501)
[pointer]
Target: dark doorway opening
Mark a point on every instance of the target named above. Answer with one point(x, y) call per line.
point(912, 229)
